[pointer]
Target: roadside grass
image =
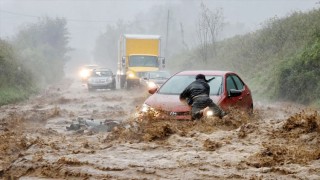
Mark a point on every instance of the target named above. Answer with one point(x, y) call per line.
point(12, 94)
point(316, 104)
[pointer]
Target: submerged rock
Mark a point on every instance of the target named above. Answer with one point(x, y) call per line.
point(92, 125)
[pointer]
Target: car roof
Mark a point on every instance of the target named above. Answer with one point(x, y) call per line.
point(204, 72)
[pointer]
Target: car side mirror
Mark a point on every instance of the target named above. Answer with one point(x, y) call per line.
point(152, 90)
point(234, 93)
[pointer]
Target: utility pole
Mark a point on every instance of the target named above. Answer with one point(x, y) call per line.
point(167, 34)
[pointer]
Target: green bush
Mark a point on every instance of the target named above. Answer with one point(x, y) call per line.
point(13, 94)
point(16, 82)
point(299, 77)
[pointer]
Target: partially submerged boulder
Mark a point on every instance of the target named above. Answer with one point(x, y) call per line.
point(92, 125)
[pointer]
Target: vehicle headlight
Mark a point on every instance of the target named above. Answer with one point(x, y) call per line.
point(148, 111)
point(151, 84)
point(131, 75)
point(145, 108)
point(84, 73)
point(209, 113)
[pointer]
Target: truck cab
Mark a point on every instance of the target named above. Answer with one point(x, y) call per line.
point(138, 54)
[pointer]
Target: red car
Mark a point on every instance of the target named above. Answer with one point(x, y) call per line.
point(227, 90)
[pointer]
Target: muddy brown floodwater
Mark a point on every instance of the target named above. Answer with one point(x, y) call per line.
point(280, 141)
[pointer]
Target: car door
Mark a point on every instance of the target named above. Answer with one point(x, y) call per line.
point(233, 82)
point(246, 100)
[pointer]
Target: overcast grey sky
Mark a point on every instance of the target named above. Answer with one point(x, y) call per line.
point(87, 18)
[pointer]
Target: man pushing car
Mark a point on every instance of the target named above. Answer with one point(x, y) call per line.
point(197, 96)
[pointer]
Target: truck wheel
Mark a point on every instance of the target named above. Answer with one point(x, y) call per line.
point(129, 84)
point(113, 87)
point(122, 81)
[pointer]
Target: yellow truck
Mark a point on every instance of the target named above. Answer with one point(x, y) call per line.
point(137, 55)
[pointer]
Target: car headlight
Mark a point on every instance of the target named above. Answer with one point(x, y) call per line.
point(131, 75)
point(209, 113)
point(148, 111)
point(145, 108)
point(84, 73)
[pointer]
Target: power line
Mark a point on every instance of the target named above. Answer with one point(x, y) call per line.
point(19, 14)
point(72, 20)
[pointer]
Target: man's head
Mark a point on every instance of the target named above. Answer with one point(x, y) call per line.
point(201, 76)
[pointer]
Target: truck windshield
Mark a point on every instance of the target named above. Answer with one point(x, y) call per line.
point(143, 61)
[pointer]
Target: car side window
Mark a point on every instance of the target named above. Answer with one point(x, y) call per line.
point(230, 84)
point(215, 85)
point(238, 82)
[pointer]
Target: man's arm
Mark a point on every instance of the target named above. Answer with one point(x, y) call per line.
point(207, 89)
point(185, 94)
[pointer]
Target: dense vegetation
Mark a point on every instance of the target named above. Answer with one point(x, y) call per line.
point(34, 58)
point(279, 61)
point(16, 83)
point(299, 76)
point(43, 47)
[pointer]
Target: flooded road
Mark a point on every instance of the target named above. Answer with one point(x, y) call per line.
point(279, 141)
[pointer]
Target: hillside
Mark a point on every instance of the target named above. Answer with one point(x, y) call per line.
point(279, 61)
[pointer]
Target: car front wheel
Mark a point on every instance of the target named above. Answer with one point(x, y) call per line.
point(113, 87)
point(90, 89)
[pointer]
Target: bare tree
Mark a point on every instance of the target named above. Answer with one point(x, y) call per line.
point(210, 24)
point(185, 45)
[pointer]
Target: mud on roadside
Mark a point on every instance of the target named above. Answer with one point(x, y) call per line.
point(295, 142)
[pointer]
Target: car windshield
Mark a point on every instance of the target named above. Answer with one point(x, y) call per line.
point(145, 61)
point(177, 84)
point(159, 75)
point(101, 73)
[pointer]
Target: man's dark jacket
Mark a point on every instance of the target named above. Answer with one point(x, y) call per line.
point(198, 89)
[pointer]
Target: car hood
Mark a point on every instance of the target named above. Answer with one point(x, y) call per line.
point(170, 103)
point(98, 78)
